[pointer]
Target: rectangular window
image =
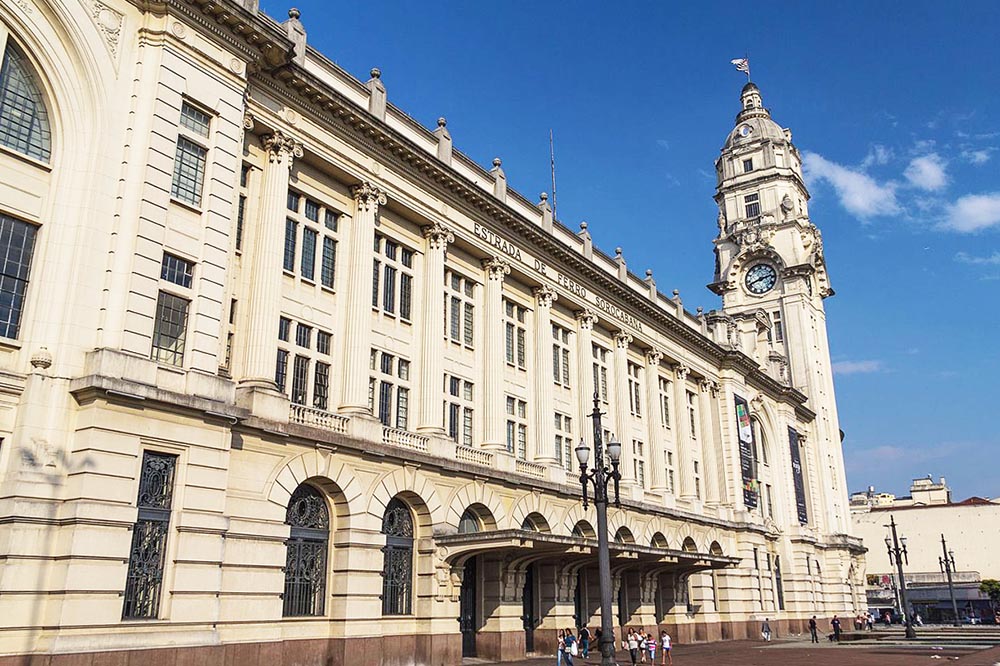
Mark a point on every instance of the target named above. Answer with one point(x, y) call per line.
point(389, 290)
point(17, 244)
point(312, 210)
point(303, 335)
point(779, 331)
point(634, 390)
point(329, 266)
point(769, 500)
point(748, 165)
point(284, 328)
point(664, 385)
point(560, 355)
point(189, 171)
point(601, 372)
point(241, 211)
point(692, 415)
point(244, 175)
point(321, 386)
point(195, 120)
point(752, 205)
point(170, 329)
point(307, 265)
point(517, 427)
point(639, 462)
point(291, 238)
point(394, 294)
point(458, 405)
point(293, 201)
point(459, 309)
point(390, 381)
point(281, 370)
point(515, 335)
point(564, 441)
point(323, 342)
point(330, 220)
point(144, 580)
point(300, 380)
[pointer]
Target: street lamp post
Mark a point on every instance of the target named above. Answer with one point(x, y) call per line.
point(600, 476)
point(897, 554)
point(947, 564)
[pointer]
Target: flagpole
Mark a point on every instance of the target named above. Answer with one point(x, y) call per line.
point(748, 65)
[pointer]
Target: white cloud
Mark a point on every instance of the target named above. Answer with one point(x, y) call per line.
point(965, 258)
point(856, 367)
point(977, 157)
point(878, 155)
point(927, 172)
point(974, 212)
point(858, 192)
point(663, 143)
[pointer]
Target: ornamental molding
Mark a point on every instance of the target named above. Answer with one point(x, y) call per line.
point(681, 372)
point(496, 268)
point(281, 148)
point(623, 339)
point(368, 196)
point(545, 296)
point(438, 236)
point(586, 319)
point(653, 357)
point(109, 23)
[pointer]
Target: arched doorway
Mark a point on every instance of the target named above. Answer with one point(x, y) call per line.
point(306, 553)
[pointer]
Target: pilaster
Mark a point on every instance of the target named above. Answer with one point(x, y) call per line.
point(707, 403)
point(584, 366)
point(496, 269)
point(431, 360)
point(654, 435)
point(544, 429)
point(685, 466)
point(621, 411)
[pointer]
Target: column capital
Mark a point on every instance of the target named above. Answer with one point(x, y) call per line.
point(653, 357)
point(438, 236)
point(623, 339)
point(681, 371)
point(496, 268)
point(281, 148)
point(586, 318)
point(710, 386)
point(368, 196)
point(545, 296)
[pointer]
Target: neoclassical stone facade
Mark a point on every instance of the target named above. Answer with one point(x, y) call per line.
point(284, 376)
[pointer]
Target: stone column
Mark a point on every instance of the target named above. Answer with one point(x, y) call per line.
point(685, 468)
point(356, 318)
point(621, 404)
point(264, 299)
point(544, 439)
point(709, 444)
point(431, 359)
point(654, 429)
point(493, 354)
point(585, 371)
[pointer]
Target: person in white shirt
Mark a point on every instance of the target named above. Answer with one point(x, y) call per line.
point(665, 644)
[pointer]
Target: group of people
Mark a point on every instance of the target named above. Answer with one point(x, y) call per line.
point(864, 621)
point(639, 644)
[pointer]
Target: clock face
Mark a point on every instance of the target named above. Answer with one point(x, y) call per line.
point(745, 131)
point(761, 278)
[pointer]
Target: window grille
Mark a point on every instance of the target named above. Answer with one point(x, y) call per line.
point(397, 570)
point(144, 581)
point(515, 334)
point(306, 553)
point(24, 120)
point(17, 245)
point(176, 270)
point(170, 329)
point(752, 203)
point(189, 171)
point(392, 269)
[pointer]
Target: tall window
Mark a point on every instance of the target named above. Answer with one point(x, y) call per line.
point(751, 203)
point(316, 255)
point(517, 427)
point(634, 390)
point(639, 462)
point(560, 355)
point(241, 205)
point(144, 581)
point(670, 472)
point(397, 568)
point(306, 549)
point(692, 414)
point(170, 324)
point(392, 278)
point(748, 165)
point(514, 334)
point(769, 500)
point(458, 409)
point(601, 372)
point(389, 389)
point(191, 155)
point(24, 121)
point(664, 385)
point(309, 352)
point(779, 331)
point(564, 440)
point(17, 245)
point(459, 309)
point(697, 479)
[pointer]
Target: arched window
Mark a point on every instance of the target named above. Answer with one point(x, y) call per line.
point(24, 122)
point(624, 535)
point(469, 523)
point(305, 561)
point(397, 570)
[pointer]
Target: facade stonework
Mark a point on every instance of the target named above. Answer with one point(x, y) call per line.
point(284, 376)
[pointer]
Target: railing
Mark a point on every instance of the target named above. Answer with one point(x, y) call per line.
point(404, 438)
point(474, 456)
point(317, 417)
point(529, 468)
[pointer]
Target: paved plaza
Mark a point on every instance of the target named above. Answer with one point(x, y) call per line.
point(801, 653)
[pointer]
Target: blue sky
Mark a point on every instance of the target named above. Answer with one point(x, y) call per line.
point(894, 106)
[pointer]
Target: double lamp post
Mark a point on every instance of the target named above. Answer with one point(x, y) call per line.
point(600, 476)
point(897, 554)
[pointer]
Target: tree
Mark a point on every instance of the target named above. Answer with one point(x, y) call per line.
point(991, 588)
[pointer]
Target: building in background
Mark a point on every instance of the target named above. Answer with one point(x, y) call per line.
point(286, 377)
point(971, 529)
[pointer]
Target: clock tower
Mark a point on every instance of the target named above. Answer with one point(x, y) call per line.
point(771, 274)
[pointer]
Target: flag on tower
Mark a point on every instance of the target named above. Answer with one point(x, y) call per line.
point(742, 64)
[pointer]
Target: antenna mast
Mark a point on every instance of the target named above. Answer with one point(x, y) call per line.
point(552, 165)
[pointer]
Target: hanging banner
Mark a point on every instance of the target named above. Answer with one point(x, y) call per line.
point(747, 466)
point(797, 480)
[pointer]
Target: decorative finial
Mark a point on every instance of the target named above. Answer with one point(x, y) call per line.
point(376, 73)
point(496, 161)
point(294, 13)
point(649, 272)
point(583, 226)
point(442, 121)
point(41, 359)
point(699, 310)
point(677, 292)
point(618, 253)
point(544, 196)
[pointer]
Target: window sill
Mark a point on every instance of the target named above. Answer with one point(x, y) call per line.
point(329, 290)
point(9, 344)
point(174, 369)
point(27, 159)
point(189, 206)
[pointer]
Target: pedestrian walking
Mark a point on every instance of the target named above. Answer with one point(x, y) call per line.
point(585, 642)
point(651, 646)
point(812, 630)
point(571, 648)
point(665, 645)
point(632, 643)
point(641, 639)
point(765, 630)
point(835, 623)
point(560, 647)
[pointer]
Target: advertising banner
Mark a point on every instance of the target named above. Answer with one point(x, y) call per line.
point(747, 462)
point(797, 480)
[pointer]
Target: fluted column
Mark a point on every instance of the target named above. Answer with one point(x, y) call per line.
point(709, 443)
point(544, 429)
point(685, 468)
point(654, 431)
point(585, 370)
point(264, 299)
point(621, 404)
point(356, 321)
point(493, 354)
point(431, 416)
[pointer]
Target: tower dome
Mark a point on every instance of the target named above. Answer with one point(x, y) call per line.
point(753, 122)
